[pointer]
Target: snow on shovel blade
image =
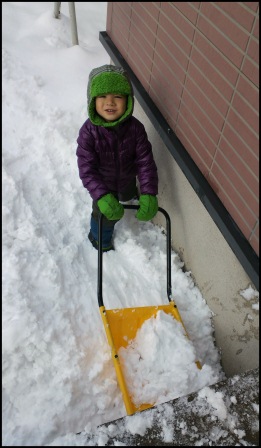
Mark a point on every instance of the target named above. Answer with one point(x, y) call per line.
point(121, 326)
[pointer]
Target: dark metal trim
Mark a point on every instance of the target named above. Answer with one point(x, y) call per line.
point(228, 227)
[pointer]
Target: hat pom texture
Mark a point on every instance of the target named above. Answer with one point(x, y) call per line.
point(104, 80)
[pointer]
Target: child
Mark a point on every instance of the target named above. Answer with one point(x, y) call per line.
point(113, 150)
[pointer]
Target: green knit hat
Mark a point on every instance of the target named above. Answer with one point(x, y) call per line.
point(108, 79)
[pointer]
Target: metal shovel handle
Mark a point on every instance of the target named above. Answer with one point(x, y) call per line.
point(100, 253)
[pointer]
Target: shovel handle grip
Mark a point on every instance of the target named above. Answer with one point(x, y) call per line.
point(100, 253)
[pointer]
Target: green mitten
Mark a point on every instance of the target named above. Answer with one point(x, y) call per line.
point(110, 207)
point(148, 207)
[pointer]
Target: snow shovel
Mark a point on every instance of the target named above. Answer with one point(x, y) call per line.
point(121, 325)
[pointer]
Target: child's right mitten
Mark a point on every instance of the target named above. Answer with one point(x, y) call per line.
point(110, 207)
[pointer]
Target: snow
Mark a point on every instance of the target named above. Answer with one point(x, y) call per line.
point(251, 294)
point(160, 349)
point(58, 375)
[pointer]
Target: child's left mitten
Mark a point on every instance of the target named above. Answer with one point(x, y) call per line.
point(148, 207)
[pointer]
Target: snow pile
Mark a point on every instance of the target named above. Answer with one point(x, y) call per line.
point(160, 363)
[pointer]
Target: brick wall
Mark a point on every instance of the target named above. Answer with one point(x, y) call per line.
point(199, 63)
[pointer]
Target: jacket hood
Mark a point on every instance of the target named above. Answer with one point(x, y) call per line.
point(108, 79)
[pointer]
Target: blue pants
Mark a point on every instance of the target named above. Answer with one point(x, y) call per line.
point(108, 225)
point(107, 231)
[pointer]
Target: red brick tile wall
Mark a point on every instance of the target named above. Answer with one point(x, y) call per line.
point(199, 63)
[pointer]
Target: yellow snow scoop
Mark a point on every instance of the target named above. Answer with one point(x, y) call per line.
point(121, 325)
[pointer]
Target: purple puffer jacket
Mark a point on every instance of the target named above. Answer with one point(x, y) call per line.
point(109, 159)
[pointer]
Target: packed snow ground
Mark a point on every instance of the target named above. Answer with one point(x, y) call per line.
point(58, 376)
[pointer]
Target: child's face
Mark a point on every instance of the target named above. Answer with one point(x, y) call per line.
point(111, 106)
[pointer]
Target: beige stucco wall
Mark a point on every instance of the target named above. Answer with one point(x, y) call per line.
point(214, 267)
